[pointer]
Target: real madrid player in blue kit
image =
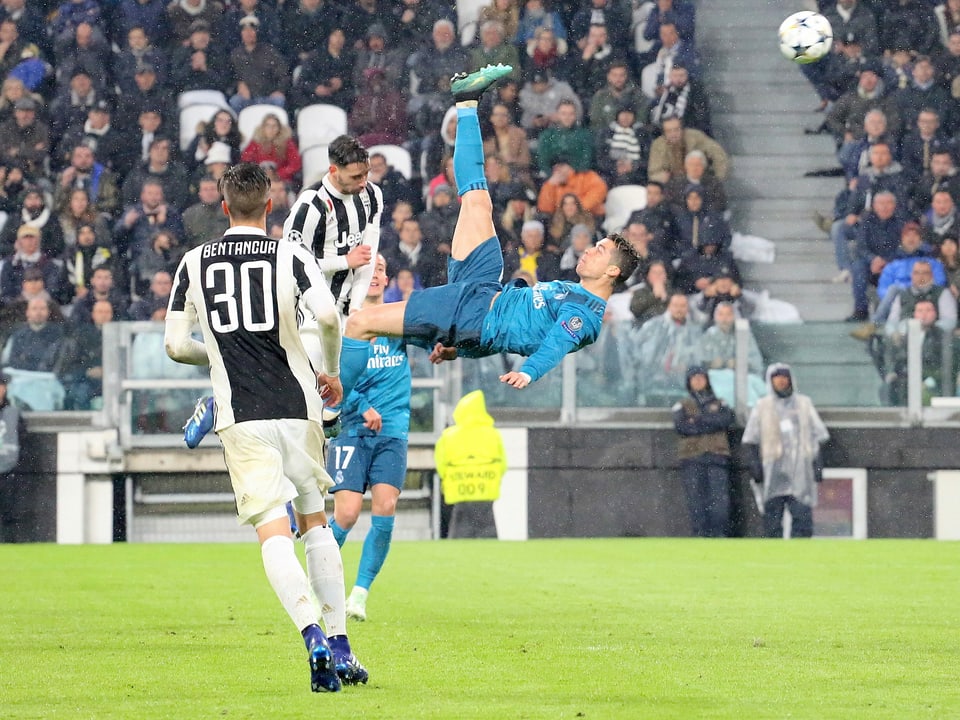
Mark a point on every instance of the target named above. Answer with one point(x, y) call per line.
point(473, 315)
point(371, 450)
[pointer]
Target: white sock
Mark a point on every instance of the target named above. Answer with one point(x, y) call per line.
point(325, 571)
point(288, 580)
point(358, 593)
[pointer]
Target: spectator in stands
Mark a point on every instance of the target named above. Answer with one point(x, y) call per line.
point(29, 19)
point(854, 155)
point(444, 177)
point(137, 139)
point(581, 238)
point(539, 100)
point(949, 255)
point(908, 24)
point(171, 174)
point(148, 95)
point(229, 33)
point(941, 219)
point(846, 118)
point(82, 258)
point(683, 97)
point(669, 151)
point(375, 55)
point(85, 173)
point(533, 256)
point(564, 179)
point(877, 240)
point(403, 284)
point(217, 161)
point(926, 282)
point(97, 133)
point(34, 209)
point(412, 253)
point(941, 176)
point(702, 421)
point(394, 186)
point(617, 93)
point(568, 215)
point(273, 144)
point(158, 296)
point(782, 439)
point(198, 64)
point(379, 113)
point(589, 74)
point(13, 90)
point(698, 267)
point(13, 310)
point(947, 65)
point(25, 139)
point(82, 47)
point(437, 225)
point(660, 352)
point(414, 20)
point(507, 142)
point(27, 254)
point(162, 255)
point(923, 93)
point(302, 22)
point(722, 288)
point(11, 46)
point(506, 12)
point(280, 195)
point(718, 346)
point(390, 232)
point(222, 128)
point(851, 19)
point(361, 15)
point(948, 19)
point(545, 52)
point(327, 75)
point(918, 146)
point(673, 51)
point(80, 365)
point(74, 13)
point(183, 16)
point(151, 15)
point(642, 241)
point(102, 287)
point(602, 13)
point(623, 149)
point(76, 212)
point(679, 13)
point(36, 344)
point(519, 209)
point(259, 71)
point(204, 219)
point(535, 15)
point(713, 195)
point(134, 229)
point(565, 138)
point(138, 52)
point(698, 226)
point(439, 59)
point(494, 48)
point(657, 216)
point(894, 391)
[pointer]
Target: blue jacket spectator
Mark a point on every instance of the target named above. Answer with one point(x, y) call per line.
point(899, 269)
point(73, 13)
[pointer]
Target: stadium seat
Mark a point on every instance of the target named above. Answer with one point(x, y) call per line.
point(468, 15)
point(319, 124)
point(621, 201)
point(316, 162)
point(396, 156)
point(190, 117)
point(251, 117)
point(202, 97)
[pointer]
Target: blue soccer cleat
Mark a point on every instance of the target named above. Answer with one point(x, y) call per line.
point(349, 669)
point(470, 86)
point(323, 673)
point(200, 423)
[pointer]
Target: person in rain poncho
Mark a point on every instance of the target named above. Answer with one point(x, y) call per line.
point(782, 444)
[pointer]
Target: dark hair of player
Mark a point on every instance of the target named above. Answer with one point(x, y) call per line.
point(625, 257)
point(245, 188)
point(346, 150)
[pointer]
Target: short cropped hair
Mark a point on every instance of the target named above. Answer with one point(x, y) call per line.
point(625, 257)
point(245, 188)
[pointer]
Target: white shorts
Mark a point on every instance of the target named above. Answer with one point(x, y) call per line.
point(274, 461)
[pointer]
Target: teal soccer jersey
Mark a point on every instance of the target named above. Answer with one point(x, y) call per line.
point(385, 386)
point(543, 322)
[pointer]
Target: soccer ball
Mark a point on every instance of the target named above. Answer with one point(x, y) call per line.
point(805, 37)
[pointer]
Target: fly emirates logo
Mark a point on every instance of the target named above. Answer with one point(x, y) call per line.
point(382, 358)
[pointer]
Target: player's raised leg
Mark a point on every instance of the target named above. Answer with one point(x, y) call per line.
point(475, 221)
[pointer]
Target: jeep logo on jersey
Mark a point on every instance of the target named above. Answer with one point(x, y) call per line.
point(348, 239)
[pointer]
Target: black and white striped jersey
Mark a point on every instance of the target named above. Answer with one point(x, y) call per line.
point(330, 224)
point(244, 289)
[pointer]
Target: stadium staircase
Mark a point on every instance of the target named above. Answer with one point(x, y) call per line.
point(761, 105)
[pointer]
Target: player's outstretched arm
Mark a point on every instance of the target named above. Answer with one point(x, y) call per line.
point(519, 380)
point(441, 353)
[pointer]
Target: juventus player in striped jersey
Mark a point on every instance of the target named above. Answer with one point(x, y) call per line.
point(338, 220)
point(244, 290)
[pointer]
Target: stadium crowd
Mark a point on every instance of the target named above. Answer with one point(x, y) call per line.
point(117, 117)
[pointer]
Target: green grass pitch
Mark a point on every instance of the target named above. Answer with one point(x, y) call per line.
point(604, 629)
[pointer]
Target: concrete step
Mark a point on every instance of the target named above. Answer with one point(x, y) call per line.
point(788, 143)
point(801, 189)
point(768, 96)
point(786, 162)
point(777, 273)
